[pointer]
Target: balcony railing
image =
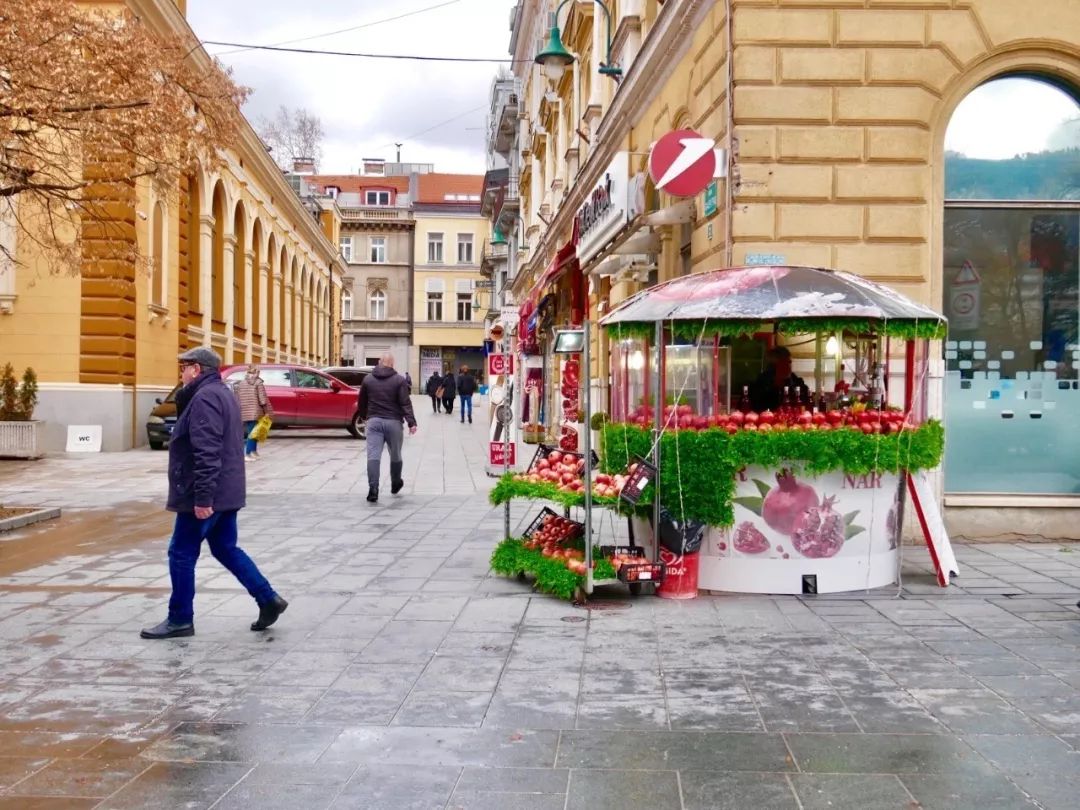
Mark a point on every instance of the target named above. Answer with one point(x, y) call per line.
point(375, 213)
point(505, 108)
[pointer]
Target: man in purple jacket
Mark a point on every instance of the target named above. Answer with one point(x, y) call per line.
point(206, 490)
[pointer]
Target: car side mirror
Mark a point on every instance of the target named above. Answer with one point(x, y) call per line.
point(336, 386)
point(157, 401)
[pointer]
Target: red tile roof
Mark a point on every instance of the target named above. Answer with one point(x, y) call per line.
point(357, 183)
point(434, 187)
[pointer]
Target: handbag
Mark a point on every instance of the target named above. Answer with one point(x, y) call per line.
point(261, 431)
point(440, 392)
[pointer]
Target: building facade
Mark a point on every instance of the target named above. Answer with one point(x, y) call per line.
point(236, 262)
point(832, 118)
point(449, 307)
point(376, 243)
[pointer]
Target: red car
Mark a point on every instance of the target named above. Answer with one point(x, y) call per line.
point(305, 397)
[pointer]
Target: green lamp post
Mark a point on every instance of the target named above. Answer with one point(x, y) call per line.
point(554, 58)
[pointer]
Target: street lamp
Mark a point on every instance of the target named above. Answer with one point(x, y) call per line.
point(499, 238)
point(554, 58)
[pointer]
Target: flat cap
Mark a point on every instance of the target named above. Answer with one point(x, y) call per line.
point(207, 358)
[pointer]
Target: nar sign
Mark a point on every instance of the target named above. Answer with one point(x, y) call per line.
point(683, 163)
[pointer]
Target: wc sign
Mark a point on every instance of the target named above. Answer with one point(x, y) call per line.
point(84, 439)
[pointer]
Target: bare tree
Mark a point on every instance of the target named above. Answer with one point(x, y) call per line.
point(293, 134)
point(92, 101)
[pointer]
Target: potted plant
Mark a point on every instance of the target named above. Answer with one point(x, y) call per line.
point(20, 435)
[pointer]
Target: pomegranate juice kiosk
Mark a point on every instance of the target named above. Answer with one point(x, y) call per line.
point(784, 409)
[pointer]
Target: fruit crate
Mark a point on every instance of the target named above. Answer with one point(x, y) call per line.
point(635, 572)
point(576, 529)
point(543, 450)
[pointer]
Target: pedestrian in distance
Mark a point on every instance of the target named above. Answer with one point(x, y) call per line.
point(434, 383)
point(466, 387)
point(206, 491)
point(408, 381)
point(384, 404)
point(254, 404)
point(449, 387)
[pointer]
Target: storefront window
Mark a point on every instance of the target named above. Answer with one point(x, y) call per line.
point(1011, 283)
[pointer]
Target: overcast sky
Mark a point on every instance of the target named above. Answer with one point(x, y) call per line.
point(367, 105)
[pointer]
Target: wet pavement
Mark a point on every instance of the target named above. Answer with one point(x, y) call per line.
point(403, 675)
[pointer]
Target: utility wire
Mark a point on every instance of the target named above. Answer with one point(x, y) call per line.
point(436, 126)
point(413, 57)
point(347, 30)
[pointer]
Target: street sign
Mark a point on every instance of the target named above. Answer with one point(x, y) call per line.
point(483, 284)
point(683, 163)
point(500, 364)
point(509, 314)
point(965, 298)
point(710, 199)
point(500, 454)
point(497, 331)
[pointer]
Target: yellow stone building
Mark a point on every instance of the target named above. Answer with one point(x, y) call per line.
point(238, 263)
point(833, 118)
point(448, 307)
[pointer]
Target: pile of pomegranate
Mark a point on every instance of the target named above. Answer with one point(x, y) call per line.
point(857, 417)
point(563, 470)
point(549, 538)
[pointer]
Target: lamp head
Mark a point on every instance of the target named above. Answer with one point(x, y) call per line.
point(554, 58)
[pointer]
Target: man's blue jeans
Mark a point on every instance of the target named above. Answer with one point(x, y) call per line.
point(466, 405)
point(219, 531)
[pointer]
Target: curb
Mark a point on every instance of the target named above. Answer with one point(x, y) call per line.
point(19, 521)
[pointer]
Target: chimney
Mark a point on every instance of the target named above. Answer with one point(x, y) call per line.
point(303, 165)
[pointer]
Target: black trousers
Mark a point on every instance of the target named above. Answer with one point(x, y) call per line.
point(435, 403)
point(448, 404)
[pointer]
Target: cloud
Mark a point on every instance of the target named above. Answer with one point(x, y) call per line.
point(368, 105)
point(1008, 117)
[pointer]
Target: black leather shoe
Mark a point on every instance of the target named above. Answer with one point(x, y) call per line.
point(268, 613)
point(168, 630)
point(372, 494)
point(396, 487)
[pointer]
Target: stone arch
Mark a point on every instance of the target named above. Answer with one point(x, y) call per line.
point(217, 255)
point(193, 209)
point(258, 283)
point(272, 280)
point(1060, 68)
point(241, 267)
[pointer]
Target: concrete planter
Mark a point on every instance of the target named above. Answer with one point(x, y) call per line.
point(22, 439)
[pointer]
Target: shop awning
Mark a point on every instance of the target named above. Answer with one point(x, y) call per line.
point(770, 293)
point(564, 260)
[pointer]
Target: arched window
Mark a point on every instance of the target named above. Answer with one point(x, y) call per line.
point(346, 306)
point(1010, 286)
point(157, 268)
point(377, 305)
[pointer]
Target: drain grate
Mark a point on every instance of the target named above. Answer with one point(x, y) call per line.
point(602, 604)
point(573, 619)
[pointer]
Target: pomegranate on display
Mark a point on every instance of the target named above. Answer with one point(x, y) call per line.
point(819, 531)
point(785, 503)
point(749, 539)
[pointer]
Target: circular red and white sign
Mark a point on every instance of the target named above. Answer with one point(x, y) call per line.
point(683, 163)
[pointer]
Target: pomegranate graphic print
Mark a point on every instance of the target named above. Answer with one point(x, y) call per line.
point(791, 519)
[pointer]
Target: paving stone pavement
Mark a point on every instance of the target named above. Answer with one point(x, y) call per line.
point(404, 675)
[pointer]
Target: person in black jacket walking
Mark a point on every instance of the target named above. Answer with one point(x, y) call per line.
point(466, 387)
point(385, 404)
point(449, 387)
point(434, 383)
point(206, 490)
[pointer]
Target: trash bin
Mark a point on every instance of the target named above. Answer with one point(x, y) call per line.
point(680, 546)
point(680, 575)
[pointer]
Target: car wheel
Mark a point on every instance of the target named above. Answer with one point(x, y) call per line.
point(357, 427)
point(157, 445)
